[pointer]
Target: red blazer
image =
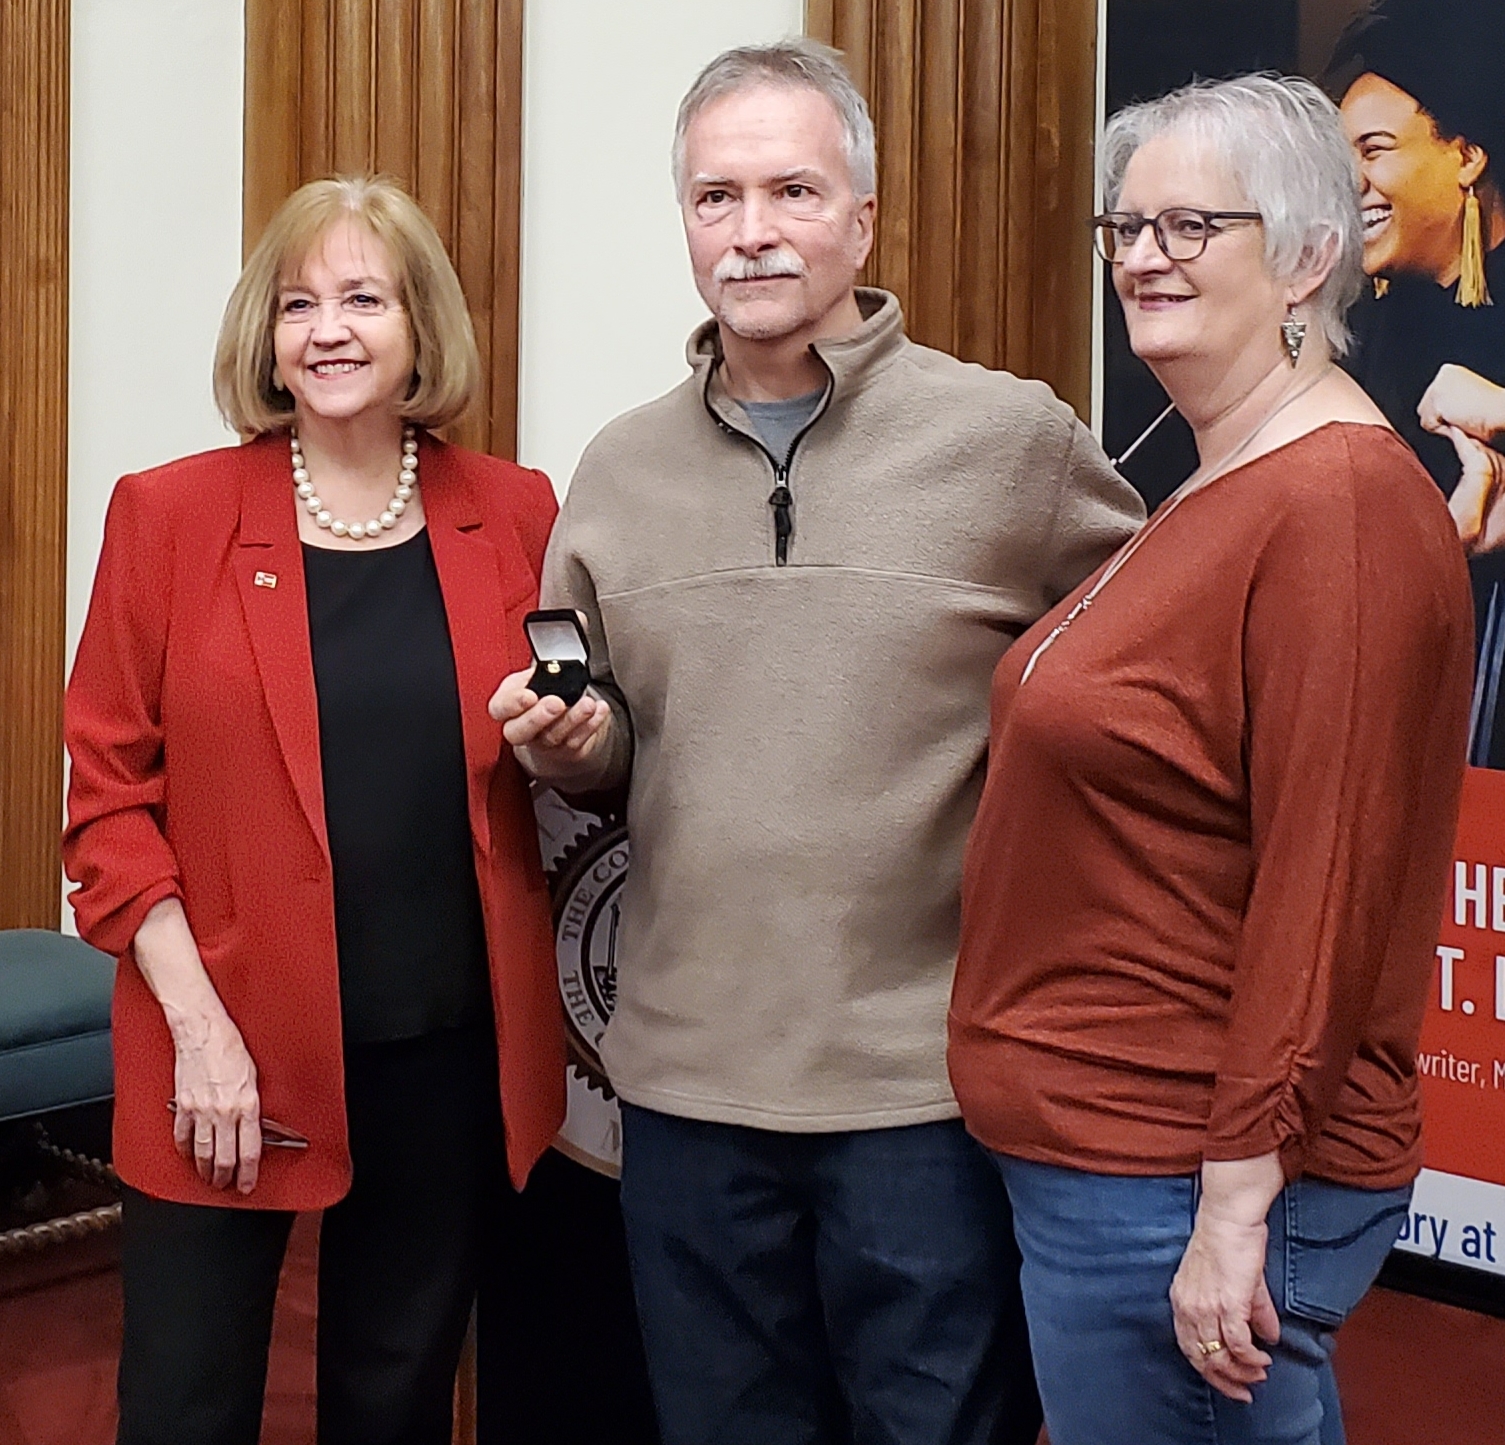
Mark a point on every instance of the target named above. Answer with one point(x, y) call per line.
point(193, 728)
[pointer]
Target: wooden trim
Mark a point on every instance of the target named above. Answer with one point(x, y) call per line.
point(429, 91)
point(34, 98)
point(507, 226)
point(270, 159)
point(985, 113)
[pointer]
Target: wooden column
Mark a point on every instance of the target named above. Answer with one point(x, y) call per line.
point(428, 91)
point(984, 111)
point(33, 453)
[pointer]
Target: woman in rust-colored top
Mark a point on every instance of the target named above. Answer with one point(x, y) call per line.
point(1203, 886)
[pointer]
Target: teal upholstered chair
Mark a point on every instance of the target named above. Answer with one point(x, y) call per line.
point(54, 1023)
point(54, 1055)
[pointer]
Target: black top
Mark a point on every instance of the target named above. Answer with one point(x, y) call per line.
point(412, 946)
point(1401, 341)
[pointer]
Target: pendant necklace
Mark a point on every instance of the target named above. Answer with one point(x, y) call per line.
point(1190, 487)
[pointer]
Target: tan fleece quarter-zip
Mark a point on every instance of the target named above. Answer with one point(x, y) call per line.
point(807, 742)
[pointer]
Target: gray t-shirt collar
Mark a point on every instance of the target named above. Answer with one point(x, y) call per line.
point(777, 423)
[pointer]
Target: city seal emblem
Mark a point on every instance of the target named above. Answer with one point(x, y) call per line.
point(587, 886)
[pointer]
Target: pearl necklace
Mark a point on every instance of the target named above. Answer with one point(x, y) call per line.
point(407, 479)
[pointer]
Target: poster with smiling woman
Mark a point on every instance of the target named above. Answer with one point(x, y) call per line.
point(1421, 88)
point(1425, 111)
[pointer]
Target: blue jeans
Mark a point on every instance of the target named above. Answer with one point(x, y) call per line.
point(1100, 1252)
point(856, 1288)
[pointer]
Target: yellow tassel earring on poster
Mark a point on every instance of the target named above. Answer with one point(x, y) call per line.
point(1473, 289)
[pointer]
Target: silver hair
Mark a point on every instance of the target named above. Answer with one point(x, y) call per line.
point(797, 63)
point(1283, 143)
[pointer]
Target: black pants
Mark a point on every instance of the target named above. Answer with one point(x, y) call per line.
point(559, 1356)
point(398, 1262)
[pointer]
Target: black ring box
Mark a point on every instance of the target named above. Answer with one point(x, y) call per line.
point(561, 652)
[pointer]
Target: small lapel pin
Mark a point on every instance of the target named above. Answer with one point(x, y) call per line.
point(264, 579)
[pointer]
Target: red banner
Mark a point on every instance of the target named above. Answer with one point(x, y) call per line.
point(1462, 1058)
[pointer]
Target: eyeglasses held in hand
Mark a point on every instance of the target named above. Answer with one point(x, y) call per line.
point(273, 1134)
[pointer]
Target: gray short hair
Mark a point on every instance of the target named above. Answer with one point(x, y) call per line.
point(798, 63)
point(1283, 142)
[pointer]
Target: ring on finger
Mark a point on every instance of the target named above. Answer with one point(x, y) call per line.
point(1209, 1347)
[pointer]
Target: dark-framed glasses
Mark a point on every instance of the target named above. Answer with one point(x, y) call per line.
point(1181, 232)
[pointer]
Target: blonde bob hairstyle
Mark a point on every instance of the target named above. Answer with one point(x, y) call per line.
point(446, 365)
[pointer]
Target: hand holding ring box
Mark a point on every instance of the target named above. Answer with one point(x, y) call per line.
point(561, 653)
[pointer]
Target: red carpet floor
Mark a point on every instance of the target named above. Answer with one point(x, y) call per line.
point(1412, 1372)
point(59, 1339)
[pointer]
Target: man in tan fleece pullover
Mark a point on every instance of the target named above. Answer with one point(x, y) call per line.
point(799, 569)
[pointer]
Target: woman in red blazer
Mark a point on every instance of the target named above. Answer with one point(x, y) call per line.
point(294, 822)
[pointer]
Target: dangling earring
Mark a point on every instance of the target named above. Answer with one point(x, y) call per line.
point(1473, 288)
point(1294, 334)
point(1381, 287)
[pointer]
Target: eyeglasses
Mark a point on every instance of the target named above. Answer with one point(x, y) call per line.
point(300, 310)
point(1181, 232)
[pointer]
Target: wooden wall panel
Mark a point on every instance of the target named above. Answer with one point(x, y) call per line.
point(33, 453)
point(984, 111)
point(429, 91)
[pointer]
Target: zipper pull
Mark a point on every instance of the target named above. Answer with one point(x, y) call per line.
point(783, 524)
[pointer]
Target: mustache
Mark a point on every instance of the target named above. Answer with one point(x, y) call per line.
point(779, 262)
